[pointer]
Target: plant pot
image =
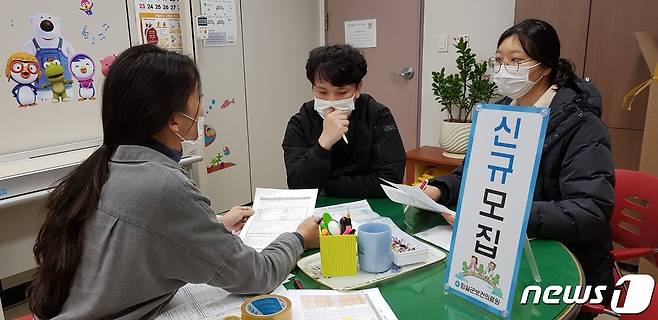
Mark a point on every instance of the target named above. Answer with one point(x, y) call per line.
point(454, 138)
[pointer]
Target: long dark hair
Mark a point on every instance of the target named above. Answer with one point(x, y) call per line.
point(541, 42)
point(144, 87)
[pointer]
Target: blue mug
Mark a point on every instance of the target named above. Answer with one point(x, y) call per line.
point(374, 243)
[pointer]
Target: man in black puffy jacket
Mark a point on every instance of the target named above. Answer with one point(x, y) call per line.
point(343, 141)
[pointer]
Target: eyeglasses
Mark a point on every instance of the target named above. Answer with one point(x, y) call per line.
point(20, 66)
point(512, 66)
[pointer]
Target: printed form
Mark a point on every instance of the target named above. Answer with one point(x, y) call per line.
point(277, 211)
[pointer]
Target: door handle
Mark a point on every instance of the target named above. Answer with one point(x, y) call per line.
point(407, 73)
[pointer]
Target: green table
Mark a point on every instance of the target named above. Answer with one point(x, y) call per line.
point(419, 295)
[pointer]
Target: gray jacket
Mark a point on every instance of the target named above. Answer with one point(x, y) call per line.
point(152, 233)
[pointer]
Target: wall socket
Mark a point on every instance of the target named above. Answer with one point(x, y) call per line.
point(443, 42)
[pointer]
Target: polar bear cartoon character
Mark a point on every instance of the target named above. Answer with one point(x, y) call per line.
point(48, 45)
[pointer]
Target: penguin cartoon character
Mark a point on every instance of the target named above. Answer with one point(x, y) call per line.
point(86, 6)
point(83, 69)
point(23, 68)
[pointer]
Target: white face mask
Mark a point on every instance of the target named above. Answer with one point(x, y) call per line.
point(190, 147)
point(515, 85)
point(322, 106)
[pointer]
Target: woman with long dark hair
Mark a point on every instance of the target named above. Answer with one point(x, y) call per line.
point(127, 228)
point(573, 198)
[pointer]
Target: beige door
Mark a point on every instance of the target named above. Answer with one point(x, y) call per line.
point(398, 47)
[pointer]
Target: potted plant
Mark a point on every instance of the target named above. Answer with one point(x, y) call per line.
point(459, 93)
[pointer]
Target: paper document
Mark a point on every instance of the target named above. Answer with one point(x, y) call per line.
point(360, 212)
point(334, 305)
point(412, 196)
point(201, 301)
point(277, 211)
point(440, 236)
point(205, 302)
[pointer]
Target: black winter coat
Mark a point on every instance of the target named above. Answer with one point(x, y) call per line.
point(374, 150)
point(574, 195)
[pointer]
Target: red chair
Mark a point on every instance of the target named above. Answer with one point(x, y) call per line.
point(634, 223)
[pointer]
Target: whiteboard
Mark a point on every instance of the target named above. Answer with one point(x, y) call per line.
point(101, 31)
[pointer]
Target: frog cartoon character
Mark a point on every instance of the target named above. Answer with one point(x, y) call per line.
point(56, 81)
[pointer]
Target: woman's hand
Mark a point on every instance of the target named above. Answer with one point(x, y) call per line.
point(310, 232)
point(449, 217)
point(433, 192)
point(235, 218)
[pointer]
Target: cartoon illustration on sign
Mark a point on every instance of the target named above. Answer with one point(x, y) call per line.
point(478, 271)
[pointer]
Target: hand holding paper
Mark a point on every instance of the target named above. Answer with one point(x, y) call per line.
point(414, 197)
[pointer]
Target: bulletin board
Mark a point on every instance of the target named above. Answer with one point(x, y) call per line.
point(77, 41)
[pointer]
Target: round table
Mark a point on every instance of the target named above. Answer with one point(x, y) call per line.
point(420, 294)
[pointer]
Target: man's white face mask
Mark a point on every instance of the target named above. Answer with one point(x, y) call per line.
point(322, 106)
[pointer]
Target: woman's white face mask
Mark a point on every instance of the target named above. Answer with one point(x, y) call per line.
point(515, 85)
point(189, 146)
point(322, 106)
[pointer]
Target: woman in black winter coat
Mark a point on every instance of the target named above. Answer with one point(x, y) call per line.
point(573, 198)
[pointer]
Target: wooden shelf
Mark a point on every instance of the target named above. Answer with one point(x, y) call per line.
point(420, 159)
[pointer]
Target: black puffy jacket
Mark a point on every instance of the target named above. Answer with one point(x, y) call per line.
point(574, 194)
point(351, 170)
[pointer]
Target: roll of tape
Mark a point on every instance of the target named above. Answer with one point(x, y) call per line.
point(267, 307)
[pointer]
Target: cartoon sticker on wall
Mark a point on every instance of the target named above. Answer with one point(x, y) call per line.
point(209, 134)
point(86, 6)
point(106, 63)
point(83, 69)
point(217, 162)
point(50, 49)
point(56, 81)
point(213, 104)
point(99, 36)
point(23, 69)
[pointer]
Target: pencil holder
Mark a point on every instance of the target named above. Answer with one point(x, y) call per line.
point(338, 255)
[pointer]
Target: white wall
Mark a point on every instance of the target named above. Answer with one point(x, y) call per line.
point(482, 20)
point(276, 48)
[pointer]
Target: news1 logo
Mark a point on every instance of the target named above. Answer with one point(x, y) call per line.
point(638, 296)
point(3, 191)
